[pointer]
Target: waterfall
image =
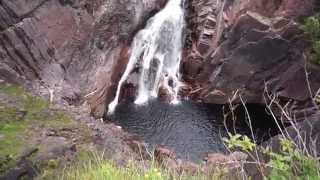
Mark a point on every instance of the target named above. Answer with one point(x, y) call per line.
point(157, 51)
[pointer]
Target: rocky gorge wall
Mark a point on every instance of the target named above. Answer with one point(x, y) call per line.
point(76, 50)
point(252, 47)
point(69, 49)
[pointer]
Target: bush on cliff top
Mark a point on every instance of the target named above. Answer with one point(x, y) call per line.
point(289, 162)
point(312, 29)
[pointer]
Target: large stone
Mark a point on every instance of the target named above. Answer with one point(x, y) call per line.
point(23, 50)
point(11, 12)
point(259, 53)
point(162, 154)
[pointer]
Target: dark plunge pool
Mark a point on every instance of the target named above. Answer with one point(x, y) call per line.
point(190, 129)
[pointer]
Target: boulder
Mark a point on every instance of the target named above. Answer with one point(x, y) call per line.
point(258, 52)
point(218, 161)
point(167, 158)
point(189, 168)
point(231, 164)
point(162, 153)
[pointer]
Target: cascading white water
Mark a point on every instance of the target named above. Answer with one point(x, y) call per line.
point(157, 49)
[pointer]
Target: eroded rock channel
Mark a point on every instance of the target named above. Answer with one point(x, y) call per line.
point(226, 53)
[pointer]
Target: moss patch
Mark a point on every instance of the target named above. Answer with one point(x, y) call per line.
point(10, 142)
point(17, 121)
point(36, 109)
point(11, 130)
point(12, 90)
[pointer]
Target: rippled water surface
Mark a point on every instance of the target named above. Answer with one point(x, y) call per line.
point(191, 129)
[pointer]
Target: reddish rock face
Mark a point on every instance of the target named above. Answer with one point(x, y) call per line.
point(273, 8)
point(78, 49)
point(294, 8)
point(261, 46)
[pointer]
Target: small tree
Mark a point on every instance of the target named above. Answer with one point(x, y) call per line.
point(312, 29)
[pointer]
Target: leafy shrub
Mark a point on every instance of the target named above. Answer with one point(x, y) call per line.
point(288, 163)
point(312, 29)
point(239, 141)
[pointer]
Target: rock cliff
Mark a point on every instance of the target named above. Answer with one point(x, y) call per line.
point(76, 50)
point(255, 46)
point(70, 49)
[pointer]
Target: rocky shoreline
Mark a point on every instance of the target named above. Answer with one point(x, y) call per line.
point(73, 52)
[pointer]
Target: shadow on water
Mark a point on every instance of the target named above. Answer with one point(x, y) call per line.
point(191, 129)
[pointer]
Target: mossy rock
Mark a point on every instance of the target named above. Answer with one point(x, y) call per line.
point(16, 122)
point(12, 90)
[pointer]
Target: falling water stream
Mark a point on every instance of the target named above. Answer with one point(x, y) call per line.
point(157, 50)
point(191, 129)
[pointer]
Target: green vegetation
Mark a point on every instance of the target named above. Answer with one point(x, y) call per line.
point(98, 168)
point(92, 165)
point(13, 90)
point(33, 109)
point(292, 163)
point(11, 130)
point(16, 119)
point(10, 143)
point(289, 163)
point(36, 109)
point(312, 29)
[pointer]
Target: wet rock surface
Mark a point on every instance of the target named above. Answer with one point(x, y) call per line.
point(259, 50)
point(74, 52)
point(76, 49)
